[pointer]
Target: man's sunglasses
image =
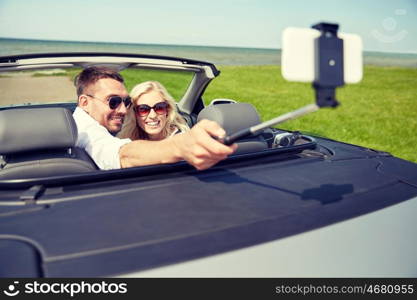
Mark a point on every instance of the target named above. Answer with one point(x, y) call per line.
point(161, 108)
point(115, 101)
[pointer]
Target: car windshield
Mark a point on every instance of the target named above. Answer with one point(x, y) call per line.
point(56, 85)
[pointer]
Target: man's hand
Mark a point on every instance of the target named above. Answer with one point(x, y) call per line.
point(199, 148)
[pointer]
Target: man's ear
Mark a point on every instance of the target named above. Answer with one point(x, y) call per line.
point(83, 102)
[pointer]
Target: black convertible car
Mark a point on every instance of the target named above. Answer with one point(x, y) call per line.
point(284, 205)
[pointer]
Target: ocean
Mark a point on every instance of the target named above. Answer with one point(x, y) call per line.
point(216, 55)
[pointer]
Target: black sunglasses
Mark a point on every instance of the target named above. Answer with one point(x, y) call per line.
point(161, 108)
point(115, 101)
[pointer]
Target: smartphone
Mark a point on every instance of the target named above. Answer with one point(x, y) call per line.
point(298, 55)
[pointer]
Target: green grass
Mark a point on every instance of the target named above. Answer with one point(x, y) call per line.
point(175, 82)
point(41, 74)
point(379, 113)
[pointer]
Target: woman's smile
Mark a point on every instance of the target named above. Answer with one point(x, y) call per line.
point(153, 124)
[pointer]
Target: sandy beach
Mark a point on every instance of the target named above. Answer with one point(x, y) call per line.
point(25, 88)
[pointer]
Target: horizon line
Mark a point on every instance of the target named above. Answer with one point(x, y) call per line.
point(137, 43)
point(177, 45)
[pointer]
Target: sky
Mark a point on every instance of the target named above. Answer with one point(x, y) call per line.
point(389, 26)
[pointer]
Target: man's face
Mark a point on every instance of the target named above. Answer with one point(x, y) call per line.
point(98, 107)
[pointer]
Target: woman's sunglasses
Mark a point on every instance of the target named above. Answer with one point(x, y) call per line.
point(161, 108)
point(115, 101)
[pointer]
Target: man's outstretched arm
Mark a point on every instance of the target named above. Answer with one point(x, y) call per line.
point(195, 146)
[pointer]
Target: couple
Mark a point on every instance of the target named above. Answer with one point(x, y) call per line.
point(103, 106)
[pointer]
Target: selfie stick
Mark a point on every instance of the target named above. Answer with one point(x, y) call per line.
point(329, 75)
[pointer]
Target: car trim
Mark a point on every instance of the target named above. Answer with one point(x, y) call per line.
point(101, 175)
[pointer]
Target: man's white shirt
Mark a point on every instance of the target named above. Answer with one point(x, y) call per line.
point(97, 141)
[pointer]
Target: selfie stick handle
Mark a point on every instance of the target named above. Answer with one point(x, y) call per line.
point(228, 140)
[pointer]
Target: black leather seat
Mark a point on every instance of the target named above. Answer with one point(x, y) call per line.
point(234, 117)
point(40, 142)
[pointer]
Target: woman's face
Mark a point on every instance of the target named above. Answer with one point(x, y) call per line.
point(155, 121)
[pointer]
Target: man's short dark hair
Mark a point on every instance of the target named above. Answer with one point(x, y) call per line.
point(91, 75)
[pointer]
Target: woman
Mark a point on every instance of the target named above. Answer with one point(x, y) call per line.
point(153, 115)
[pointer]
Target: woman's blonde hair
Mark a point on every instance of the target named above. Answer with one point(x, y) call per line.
point(175, 121)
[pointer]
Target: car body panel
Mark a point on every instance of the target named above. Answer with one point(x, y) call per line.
point(77, 230)
point(372, 245)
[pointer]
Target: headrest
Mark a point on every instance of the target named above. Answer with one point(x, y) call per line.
point(29, 129)
point(232, 117)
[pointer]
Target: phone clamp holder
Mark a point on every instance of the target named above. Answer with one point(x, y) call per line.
point(329, 74)
point(328, 64)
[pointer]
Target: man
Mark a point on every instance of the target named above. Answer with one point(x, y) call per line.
point(102, 105)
